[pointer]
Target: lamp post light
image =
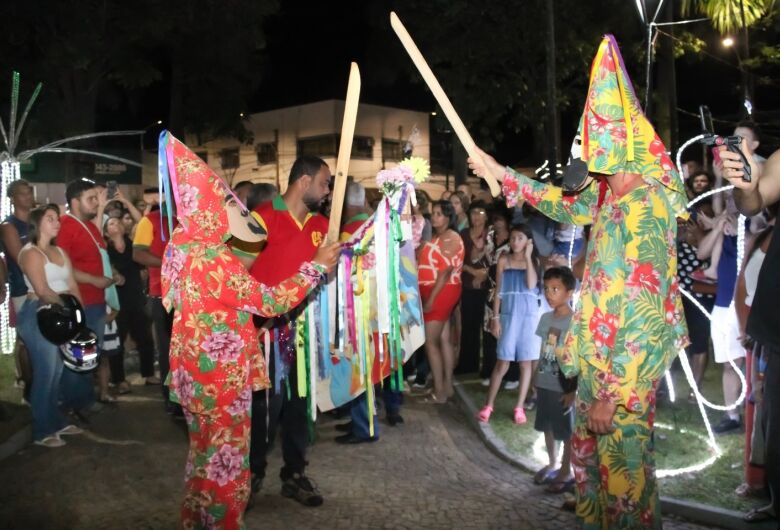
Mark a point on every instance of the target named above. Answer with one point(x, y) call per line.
point(729, 42)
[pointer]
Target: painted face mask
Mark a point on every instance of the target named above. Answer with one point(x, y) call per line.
point(207, 209)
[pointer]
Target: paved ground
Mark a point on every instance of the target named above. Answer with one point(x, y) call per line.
point(432, 472)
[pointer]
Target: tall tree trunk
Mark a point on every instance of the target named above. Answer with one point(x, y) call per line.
point(553, 129)
point(666, 92)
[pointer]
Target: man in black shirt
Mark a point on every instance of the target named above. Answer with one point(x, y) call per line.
point(763, 324)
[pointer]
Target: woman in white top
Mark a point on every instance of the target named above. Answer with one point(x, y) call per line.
point(47, 273)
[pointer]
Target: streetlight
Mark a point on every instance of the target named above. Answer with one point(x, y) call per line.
point(728, 42)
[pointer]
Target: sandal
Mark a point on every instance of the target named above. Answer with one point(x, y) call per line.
point(50, 442)
point(484, 414)
point(123, 388)
point(560, 487)
point(758, 515)
point(434, 400)
point(544, 475)
point(107, 399)
point(519, 417)
point(699, 276)
point(70, 430)
point(745, 490)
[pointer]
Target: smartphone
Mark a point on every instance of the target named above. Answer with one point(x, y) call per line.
point(111, 188)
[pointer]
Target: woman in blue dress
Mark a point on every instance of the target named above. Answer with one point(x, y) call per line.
point(517, 313)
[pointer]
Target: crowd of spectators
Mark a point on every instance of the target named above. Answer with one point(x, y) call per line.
point(483, 283)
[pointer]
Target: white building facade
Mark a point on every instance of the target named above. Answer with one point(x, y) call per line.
point(280, 136)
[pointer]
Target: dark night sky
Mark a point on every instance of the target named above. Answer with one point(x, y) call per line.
point(310, 45)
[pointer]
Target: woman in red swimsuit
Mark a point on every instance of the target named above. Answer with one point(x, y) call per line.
point(440, 265)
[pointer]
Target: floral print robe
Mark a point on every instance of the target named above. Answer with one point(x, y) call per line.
point(627, 327)
point(215, 355)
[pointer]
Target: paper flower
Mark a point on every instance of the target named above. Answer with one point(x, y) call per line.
point(420, 168)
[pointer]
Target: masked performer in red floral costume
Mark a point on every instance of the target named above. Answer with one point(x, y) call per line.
point(216, 360)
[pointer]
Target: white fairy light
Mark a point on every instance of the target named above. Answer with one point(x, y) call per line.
point(9, 171)
point(682, 148)
point(539, 452)
point(709, 194)
point(740, 242)
point(571, 243)
point(716, 453)
point(692, 382)
point(670, 386)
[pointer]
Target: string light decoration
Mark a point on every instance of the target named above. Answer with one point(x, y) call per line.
point(10, 164)
point(700, 399)
point(539, 452)
point(9, 172)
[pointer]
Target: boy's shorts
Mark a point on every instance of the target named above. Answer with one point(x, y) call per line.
point(552, 416)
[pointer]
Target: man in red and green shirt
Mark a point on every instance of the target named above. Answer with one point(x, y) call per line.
point(295, 231)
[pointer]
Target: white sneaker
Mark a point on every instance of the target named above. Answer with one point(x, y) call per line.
point(485, 382)
point(70, 429)
point(511, 385)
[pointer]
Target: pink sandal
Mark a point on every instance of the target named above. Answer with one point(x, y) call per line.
point(519, 418)
point(484, 414)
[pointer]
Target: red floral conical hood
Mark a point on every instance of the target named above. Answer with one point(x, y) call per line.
point(200, 194)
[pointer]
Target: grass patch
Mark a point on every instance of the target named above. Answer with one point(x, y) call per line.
point(681, 445)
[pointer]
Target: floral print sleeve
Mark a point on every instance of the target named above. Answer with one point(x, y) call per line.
point(576, 209)
point(232, 285)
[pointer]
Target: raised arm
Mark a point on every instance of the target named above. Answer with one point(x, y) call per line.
point(135, 213)
point(548, 199)
point(764, 187)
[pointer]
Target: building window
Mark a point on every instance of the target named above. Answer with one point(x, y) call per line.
point(363, 147)
point(392, 150)
point(266, 153)
point(322, 146)
point(328, 146)
point(229, 158)
point(203, 155)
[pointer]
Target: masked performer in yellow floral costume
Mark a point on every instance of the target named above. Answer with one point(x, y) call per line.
point(215, 355)
point(628, 324)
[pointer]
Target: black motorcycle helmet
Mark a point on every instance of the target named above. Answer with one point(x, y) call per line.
point(59, 323)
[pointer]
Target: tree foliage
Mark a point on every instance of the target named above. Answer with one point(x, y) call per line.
point(97, 56)
point(490, 56)
point(727, 15)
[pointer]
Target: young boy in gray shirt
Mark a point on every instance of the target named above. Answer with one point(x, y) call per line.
point(555, 394)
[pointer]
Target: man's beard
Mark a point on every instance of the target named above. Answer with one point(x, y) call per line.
point(312, 203)
point(89, 215)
